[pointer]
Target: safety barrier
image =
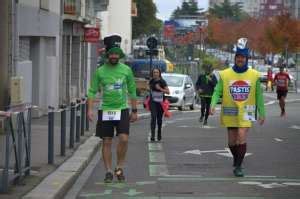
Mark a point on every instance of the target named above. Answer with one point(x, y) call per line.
point(17, 138)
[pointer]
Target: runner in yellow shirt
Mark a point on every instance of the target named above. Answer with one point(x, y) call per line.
point(242, 96)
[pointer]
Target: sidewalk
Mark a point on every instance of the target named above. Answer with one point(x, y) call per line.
point(39, 151)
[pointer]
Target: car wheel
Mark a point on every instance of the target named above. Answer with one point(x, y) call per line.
point(181, 107)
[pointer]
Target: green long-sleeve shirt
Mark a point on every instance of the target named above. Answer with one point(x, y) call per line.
point(115, 82)
point(258, 95)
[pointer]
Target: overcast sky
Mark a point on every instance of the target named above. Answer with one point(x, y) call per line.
point(166, 7)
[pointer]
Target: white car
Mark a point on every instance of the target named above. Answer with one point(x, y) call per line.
point(263, 70)
point(182, 90)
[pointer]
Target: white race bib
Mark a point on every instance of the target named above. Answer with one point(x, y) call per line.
point(111, 115)
point(157, 96)
point(249, 114)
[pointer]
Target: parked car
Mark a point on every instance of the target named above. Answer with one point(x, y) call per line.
point(263, 70)
point(182, 90)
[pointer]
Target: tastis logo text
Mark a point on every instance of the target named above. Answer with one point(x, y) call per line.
point(240, 90)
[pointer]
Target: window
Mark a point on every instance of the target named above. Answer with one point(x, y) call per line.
point(44, 4)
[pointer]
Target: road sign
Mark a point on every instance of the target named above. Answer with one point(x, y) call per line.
point(152, 42)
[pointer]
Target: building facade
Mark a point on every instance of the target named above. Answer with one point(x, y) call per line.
point(38, 29)
point(110, 21)
point(293, 7)
point(53, 62)
point(271, 8)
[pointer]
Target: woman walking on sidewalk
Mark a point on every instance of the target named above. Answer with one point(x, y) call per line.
point(158, 87)
point(242, 96)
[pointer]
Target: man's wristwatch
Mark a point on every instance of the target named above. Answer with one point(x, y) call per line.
point(134, 110)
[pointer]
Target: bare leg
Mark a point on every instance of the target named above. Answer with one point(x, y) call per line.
point(122, 150)
point(232, 136)
point(282, 106)
point(242, 135)
point(106, 153)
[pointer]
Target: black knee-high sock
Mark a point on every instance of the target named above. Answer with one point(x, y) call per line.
point(233, 149)
point(241, 151)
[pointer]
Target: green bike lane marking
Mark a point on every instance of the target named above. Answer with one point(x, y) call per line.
point(155, 146)
point(157, 157)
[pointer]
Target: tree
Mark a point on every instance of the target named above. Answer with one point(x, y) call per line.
point(228, 11)
point(146, 22)
point(187, 8)
point(283, 33)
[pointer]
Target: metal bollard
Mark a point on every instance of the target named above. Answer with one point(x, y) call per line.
point(63, 130)
point(78, 120)
point(72, 124)
point(82, 116)
point(28, 162)
point(51, 135)
point(87, 122)
point(5, 176)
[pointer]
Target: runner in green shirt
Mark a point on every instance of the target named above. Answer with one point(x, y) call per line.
point(115, 82)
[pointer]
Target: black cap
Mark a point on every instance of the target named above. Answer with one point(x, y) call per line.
point(112, 41)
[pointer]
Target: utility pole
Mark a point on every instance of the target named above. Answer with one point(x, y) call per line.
point(6, 56)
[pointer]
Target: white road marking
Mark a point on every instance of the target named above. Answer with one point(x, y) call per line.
point(250, 183)
point(270, 102)
point(256, 176)
point(295, 127)
point(292, 183)
point(198, 152)
point(270, 185)
point(278, 140)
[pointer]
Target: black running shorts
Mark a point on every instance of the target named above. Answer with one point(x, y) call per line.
point(281, 93)
point(107, 128)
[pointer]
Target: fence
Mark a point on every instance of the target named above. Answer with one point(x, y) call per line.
point(16, 138)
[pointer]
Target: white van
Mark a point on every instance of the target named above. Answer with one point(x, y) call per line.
point(182, 90)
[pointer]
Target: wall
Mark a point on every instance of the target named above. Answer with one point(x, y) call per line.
point(24, 69)
point(119, 17)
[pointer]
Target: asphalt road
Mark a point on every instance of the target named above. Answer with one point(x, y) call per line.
point(194, 162)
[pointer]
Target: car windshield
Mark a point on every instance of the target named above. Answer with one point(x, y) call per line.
point(174, 81)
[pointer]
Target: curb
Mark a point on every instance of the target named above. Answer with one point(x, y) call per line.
point(56, 184)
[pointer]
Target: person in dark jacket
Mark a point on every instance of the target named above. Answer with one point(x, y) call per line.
point(205, 86)
point(158, 87)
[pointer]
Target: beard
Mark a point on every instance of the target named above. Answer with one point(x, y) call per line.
point(113, 61)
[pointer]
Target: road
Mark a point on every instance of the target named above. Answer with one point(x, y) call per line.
point(194, 162)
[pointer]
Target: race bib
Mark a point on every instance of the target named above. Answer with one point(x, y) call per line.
point(111, 115)
point(249, 113)
point(157, 96)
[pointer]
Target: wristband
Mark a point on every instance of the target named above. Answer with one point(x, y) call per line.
point(134, 110)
